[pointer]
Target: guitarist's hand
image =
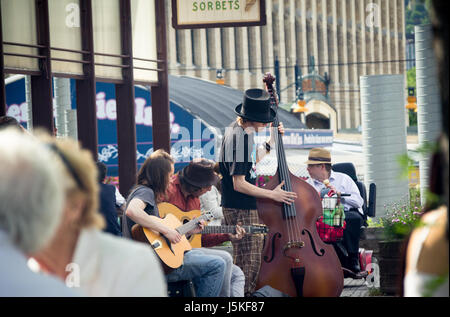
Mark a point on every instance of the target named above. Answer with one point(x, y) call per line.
point(173, 235)
point(199, 228)
point(278, 194)
point(240, 233)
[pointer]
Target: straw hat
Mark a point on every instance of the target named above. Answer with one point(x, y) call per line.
point(318, 156)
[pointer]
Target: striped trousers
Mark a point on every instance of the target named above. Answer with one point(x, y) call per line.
point(247, 251)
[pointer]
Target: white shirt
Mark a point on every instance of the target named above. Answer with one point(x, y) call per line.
point(344, 184)
point(17, 280)
point(113, 266)
point(210, 201)
point(120, 200)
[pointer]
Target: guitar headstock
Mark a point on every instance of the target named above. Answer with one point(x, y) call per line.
point(258, 229)
point(207, 216)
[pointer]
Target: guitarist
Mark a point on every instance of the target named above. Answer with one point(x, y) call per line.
point(238, 159)
point(206, 271)
point(184, 191)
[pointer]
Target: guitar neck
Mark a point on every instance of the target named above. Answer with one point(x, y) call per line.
point(191, 225)
point(225, 229)
point(220, 229)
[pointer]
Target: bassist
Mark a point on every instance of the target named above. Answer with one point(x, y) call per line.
point(238, 159)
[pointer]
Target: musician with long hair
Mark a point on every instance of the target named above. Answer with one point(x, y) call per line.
point(238, 158)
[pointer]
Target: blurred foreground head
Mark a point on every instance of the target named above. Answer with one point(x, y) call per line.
point(31, 192)
point(80, 180)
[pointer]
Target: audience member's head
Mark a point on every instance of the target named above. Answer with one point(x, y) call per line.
point(80, 179)
point(102, 171)
point(10, 122)
point(31, 191)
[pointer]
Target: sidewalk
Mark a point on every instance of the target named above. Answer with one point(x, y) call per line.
point(357, 138)
point(355, 288)
point(352, 288)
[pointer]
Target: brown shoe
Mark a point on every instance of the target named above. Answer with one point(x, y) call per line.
point(354, 275)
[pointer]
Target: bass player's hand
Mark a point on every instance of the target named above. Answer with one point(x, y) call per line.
point(282, 196)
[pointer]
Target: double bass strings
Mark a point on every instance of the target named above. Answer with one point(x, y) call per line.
point(290, 212)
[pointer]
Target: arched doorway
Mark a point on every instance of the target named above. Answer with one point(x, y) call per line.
point(317, 121)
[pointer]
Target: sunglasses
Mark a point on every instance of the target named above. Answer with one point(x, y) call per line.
point(66, 163)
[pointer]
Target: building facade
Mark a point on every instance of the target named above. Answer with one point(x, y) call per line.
point(347, 38)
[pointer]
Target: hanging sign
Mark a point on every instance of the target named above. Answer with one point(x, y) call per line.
point(190, 14)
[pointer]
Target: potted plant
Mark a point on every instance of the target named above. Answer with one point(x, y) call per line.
point(398, 222)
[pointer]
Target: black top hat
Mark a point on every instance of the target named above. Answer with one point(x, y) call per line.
point(199, 173)
point(256, 106)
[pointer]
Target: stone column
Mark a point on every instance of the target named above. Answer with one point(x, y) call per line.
point(355, 113)
point(302, 45)
point(334, 70)
point(185, 51)
point(323, 8)
point(241, 40)
point(229, 57)
point(362, 36)
point(255, 61)
point(343, 60)
point(401, 30)
point(267, 58)
point(396, 38)
point(371, 45)
point(291, 56)
point(200, 53)
point(279, 44)
point(171, 41)
point(214, 51)
point(379, 49)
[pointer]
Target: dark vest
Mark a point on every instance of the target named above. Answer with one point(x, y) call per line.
point(108, 208)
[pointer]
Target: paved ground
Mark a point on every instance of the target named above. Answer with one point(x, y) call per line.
point(355, 288)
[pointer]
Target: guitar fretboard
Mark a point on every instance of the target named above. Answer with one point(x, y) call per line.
point(231, 229)
point(193, 224)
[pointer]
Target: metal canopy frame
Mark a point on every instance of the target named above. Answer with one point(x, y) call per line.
point(41, 84)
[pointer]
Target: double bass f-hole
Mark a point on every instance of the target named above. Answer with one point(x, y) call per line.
point(313, 245)
point(266, 258)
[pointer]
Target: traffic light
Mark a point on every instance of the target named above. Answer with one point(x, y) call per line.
point(412, 100)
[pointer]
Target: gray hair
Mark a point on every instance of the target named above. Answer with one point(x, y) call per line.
point(32, 191)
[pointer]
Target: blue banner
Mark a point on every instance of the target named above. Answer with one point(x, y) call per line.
point(190, 137)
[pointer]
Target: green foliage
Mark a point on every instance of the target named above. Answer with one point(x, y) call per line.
point(403, 216)
point(412, 116)
point(434, 284)
point(417, 13)
point(411, 77)
point(374, 224)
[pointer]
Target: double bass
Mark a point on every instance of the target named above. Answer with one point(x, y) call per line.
point(295, 260)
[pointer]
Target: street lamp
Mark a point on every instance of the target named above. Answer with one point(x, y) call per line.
point(219, 77)
point(300, 106)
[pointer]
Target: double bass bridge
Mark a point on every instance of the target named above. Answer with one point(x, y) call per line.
point(293, 245)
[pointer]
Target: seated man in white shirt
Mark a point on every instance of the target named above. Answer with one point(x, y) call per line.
point(319, 168)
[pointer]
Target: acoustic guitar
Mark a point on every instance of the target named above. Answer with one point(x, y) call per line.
point(196, 239)
point(170, 254)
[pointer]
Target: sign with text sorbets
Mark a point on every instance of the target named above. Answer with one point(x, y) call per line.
point(191, 14)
